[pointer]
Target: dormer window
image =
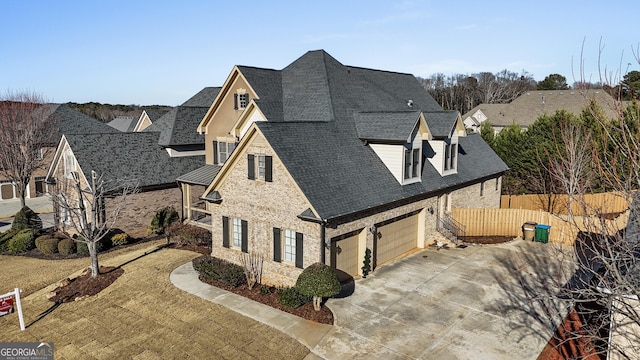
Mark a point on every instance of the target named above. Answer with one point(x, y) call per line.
point(240, 101)
point(411, 164)
point(450, 151)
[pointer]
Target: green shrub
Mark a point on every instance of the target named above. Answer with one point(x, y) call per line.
point(318, 280)
point(212, 268)
point(4, 239)
point(22, 242)
point(163, 218)
point(119, 239)
point(67, 246)
point(291, 297)
point(26, 219)
point(265, 290)
point(47, 244)
point(184, 234)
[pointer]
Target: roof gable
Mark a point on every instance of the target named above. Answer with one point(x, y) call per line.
point(178, 126)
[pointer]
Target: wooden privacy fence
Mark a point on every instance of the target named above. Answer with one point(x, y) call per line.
point(508, 222)
point(605, 203)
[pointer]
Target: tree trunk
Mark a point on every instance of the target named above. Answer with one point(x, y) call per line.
point(95, 270)
point(317, 300)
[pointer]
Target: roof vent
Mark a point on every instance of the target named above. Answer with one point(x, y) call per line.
point(410, 103)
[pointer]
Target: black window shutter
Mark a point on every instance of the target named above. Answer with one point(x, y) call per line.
point(235, 101)
point(299, 251)
point(251, 167)
point(268, 168)
point(225, 231)
point(215, 152)
point(277, 245)
point(245, 236)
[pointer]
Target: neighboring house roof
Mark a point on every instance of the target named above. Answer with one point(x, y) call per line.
point(71, 121)
point(155, 114)
point(130, 156)
point(204, 98)
point(200, 176)
point(178, 126)
point(123, 123)
point(527, 108)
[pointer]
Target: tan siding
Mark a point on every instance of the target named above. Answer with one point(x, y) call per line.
point(438, 159)
point(391, 156)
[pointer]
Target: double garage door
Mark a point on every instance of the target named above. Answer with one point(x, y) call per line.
point(395, 237)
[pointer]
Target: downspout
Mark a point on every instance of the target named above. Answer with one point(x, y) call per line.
point(323, 235)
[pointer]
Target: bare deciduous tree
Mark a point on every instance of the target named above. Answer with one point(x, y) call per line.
point(26, 134)
point(83, 208)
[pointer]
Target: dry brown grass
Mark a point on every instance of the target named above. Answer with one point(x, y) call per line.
point(142, 315)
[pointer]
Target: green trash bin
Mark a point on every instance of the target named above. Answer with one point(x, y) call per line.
point(542, 233)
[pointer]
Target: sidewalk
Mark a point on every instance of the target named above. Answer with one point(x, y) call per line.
point(41, 205)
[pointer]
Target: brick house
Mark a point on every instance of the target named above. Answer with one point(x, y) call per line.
point(320, 161)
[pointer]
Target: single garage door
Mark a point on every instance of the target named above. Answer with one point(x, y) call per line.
point(396, 237)
point(344, 253)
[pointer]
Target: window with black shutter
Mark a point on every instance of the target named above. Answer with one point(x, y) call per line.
point(299, 252)
point(225, 231)
point(277, 245)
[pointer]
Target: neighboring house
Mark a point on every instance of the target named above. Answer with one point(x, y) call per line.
point(128, 123)
point(123, 158)
point(527, 108)
point(320, 161)
point(177, 126)
point(69, 121)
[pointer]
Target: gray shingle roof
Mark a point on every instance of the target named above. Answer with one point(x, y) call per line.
point(71, 121)
point(200, 176)
point(178, 126)
point(123, 123)
point(441, 123)
point(326, 107)
point(130, 156)
point(389, 126)
point(204, 98)
point(155, 114)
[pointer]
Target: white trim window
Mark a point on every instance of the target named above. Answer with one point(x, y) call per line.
point(290, 245)
point(240, 100)
point(236, 232)
point(411, 164)
point(450, 158)
point(224, 150)
point(261, 166)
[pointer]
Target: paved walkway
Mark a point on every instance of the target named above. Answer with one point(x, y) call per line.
point(448, 304)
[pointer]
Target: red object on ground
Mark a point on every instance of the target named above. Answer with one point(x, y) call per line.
point(6, 305)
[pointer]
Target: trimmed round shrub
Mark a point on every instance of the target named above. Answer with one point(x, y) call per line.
point(47, 244)
point(318, 280)
point(67, 246)
point(120, 239)
point(291, 297)
point(22, 242)
point(163, 218)
point(26, 219)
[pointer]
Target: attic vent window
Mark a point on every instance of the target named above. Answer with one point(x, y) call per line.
point(240, 101)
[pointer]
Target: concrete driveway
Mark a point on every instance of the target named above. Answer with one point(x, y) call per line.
point(448, 304)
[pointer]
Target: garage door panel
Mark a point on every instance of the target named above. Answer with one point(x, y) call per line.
point(397, 238)
point(347, 255)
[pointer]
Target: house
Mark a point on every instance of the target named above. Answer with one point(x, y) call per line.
point(69, 121)
point(121, 158)
point(320, 161)
point(177, 127)
point(527, 108)
point(128, 123)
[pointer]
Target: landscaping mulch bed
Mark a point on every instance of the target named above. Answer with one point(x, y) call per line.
point(306, 311)
point(84, 285)
point(486, 239)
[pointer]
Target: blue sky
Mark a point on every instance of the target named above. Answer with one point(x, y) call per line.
point(162, 52)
